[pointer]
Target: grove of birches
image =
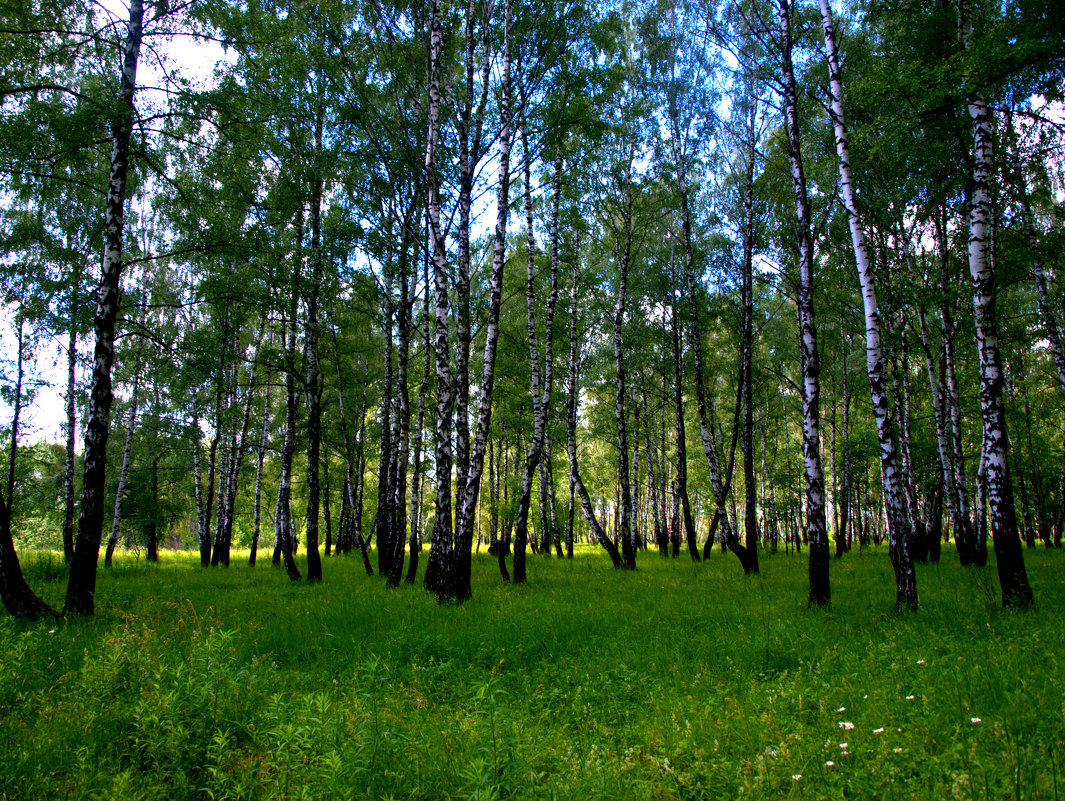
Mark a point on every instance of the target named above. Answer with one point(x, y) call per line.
point(387, 284)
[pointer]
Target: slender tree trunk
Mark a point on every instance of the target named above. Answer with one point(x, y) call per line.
point(1013, 577)
point(845, 489)
point(457, 586)
point(386, 469)
point(123, 473)
point(288, 451)
point(750, 501)
point(398, 498)
point(816, 525)
point(655, 487)
point(469, 126)
point(353, 460)
point(894, 493)
point(532, 460)
point(416, 481)
point(964, 535)
point(680, 440)
point(264, 434)
point(1049, 312)
point(442, 545)
point(71, 419)
point(312, 387)
point(81, 588)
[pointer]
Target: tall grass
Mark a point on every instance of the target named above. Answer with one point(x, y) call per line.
point(675, 681)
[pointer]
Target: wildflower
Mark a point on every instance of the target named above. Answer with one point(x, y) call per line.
point(920, 661)
point(976, 720)
point(842, 709)
point(897, 750)
point(796, 776)
point(878, 731)
point(846, 725)
point(51, 631)
point(910, 697)
point(844, 746)
point(829, 764)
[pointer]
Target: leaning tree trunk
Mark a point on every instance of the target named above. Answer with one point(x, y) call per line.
point(816, 524)
point(576, 484)
point(123, 473)
point(81, 588)
point(457, 587)
point(1013, 577)
point(894, 497)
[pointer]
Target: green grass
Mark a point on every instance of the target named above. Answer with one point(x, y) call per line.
point(676, 681)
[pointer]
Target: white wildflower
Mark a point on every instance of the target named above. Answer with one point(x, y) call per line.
point(796, 776)
point(829, 764)
point(844, 746)
point(878, 731)
point(846, 725)
point(976, 720)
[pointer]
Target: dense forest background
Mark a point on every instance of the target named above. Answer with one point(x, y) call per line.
point(513, 275)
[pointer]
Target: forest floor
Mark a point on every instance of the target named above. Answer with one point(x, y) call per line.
point(677, 681)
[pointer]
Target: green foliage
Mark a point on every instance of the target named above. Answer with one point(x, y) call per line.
point(679, 681)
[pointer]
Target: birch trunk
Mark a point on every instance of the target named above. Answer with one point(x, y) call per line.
point(816, 525)
point(899, 532)
point(1013, 577)
point(571, 397)
point(964, 535)
point(81, 588)
point(655, 489)
point(442, 545)
point(264, 433)
point(416, 480)
point(750, 503)
point(123, 473)
point(312, 386)
point(532, 459)
point(680, 439)
point(457, 586)
point(1048, 314)
point(71, 420)
point(288, 450)
point(398, 498)
point(628, 552)
point(386, 471)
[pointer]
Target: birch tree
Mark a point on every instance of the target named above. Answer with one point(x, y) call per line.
point(895, 500)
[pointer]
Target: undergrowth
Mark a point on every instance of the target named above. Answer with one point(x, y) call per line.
point(676, 681)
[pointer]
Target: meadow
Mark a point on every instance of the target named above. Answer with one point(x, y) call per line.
point(677, 681)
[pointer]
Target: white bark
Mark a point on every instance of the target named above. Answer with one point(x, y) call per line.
point(894, 498)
